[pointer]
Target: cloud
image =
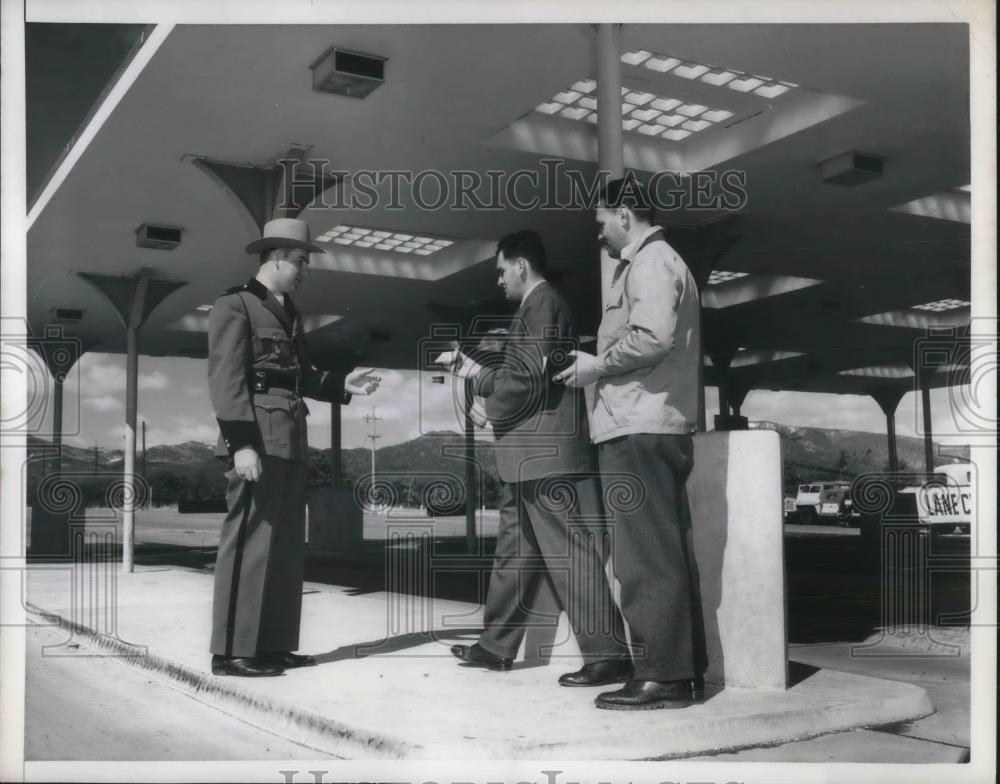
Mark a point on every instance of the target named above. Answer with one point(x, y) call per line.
point(176, 430)
point(104, 403)
point(154, 380)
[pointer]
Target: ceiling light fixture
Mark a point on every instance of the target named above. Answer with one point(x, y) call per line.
point(343, 72)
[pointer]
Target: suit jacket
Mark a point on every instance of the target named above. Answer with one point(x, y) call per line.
point(540, 427)
point(250, 331)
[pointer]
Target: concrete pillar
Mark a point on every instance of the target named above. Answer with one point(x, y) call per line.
point(737, 394)
point(721, 361)
point(888, 400)
point(610, 156)
point(134, 298)
point(131, 408)
point(57, 420)
point(925, 405)
point(336, 445)
point(471, 496)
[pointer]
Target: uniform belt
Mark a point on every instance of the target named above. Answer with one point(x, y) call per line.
point(264, 381)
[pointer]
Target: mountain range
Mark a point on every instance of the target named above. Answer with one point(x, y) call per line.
point(191, 470)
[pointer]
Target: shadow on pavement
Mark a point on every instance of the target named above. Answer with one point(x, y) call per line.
point(832, 596)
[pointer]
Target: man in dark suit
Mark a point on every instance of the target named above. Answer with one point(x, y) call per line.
point(258, 373)
point(551, 511)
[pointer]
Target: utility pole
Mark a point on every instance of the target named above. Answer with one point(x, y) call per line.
point(95, 461)
point(372, 419)
point(144, 449)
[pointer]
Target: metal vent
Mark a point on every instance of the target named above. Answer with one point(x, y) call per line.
point(852, 168)
point(158, 237)
point(65, 315)
point(342, 72)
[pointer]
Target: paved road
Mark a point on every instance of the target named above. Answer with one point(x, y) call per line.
point(833, 602)
point(93, 707)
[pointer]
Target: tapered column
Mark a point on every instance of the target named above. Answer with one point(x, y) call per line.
point(888, 400)
point(134, 298)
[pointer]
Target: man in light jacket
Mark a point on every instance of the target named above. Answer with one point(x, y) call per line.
point(645, 407)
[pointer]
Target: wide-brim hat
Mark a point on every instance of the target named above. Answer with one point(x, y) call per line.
point(284, 233)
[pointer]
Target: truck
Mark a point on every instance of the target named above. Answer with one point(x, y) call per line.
point(836, 506)
point(810, 500)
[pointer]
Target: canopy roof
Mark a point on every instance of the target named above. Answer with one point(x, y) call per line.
point(834, 273)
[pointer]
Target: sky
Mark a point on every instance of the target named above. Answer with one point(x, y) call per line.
point(174, 402)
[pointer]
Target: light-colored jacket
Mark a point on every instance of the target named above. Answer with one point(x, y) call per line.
point(648, 345)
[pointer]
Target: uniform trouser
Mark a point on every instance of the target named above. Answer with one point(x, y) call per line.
point(258, 572)
point(552, 529)
point(654, 554)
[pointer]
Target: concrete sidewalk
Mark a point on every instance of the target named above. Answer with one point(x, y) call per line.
point(387, 686)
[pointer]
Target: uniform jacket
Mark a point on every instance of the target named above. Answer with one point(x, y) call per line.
point(540, 427)
point(649, 346)
point(250, 331)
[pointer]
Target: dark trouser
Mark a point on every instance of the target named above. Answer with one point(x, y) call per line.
point(654, 553)
point(258, 572)
point(552, 528)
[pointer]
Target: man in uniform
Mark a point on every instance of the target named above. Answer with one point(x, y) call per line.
point(258, 373)
point(551, 511)
point(645, 408)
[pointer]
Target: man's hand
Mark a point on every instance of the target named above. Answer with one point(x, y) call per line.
point(459, 364)
point(477, 412)
point(246, 463)
point(582, 372)
point(361, 381)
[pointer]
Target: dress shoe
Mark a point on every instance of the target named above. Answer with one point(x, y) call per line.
point(649, 695)
point(480, 657)
point(599, 673)
point(286, 659)
point(245, 667)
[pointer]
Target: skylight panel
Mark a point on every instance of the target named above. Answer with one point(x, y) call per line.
point(772, 90)
point(719, 78)
point(382, 239)
point(690, 70)
point(642, 112)
point(717, 277)
point(676, 134)
point(764, 86)
point(745, 85)
point(716, 115)
point(652, 130)
point(666, 104)
point(636, 57)
point(662, 64)
point(941, 305)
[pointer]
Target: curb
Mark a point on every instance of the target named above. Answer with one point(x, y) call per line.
point(290, 722)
